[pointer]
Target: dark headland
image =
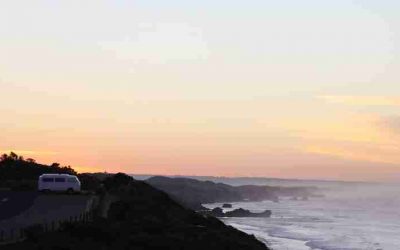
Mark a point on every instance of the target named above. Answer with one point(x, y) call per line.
point(130, 214)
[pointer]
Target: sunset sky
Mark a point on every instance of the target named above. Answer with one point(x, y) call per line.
point(290, 89)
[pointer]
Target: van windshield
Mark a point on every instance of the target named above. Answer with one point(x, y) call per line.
point(72, 180)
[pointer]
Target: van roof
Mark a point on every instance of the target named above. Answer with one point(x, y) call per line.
point(57, 175)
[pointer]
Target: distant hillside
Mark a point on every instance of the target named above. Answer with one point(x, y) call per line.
point(192, 193)
point(260, 181)
point(142, 217)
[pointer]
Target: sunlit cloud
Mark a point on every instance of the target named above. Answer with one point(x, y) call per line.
point(362, 100)
point(337, 127)
point(87, 169)
point(358, 152)
point(390, 124)
point(160, 43)
point(356, 137)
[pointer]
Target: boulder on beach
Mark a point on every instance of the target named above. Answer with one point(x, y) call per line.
point(246, 213)
point(240, 212)
point(227, 205)
point(217, 212)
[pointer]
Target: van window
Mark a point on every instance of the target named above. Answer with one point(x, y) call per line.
point(60, 179)
point(73, 180)
point(47, 179)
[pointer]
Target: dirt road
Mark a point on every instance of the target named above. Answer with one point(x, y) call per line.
point(21, 209)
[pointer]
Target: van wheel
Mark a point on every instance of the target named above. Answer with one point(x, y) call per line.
point(70, 191)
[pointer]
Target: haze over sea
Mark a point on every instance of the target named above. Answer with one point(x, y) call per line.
point(356, 216)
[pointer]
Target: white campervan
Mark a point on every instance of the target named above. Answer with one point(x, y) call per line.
point(59, 182)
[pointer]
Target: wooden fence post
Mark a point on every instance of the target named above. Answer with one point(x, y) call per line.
point(12, 234)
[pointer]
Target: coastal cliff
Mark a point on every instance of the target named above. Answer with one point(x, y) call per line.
point(142, 217)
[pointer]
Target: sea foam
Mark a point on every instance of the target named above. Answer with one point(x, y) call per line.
point(354, 219)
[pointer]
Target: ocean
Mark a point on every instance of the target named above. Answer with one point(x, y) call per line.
point(350, 216)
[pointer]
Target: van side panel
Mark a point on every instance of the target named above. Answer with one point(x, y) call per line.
point(46, 183)
point(59, 183)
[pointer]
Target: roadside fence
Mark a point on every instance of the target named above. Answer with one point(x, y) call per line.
point(19, 234)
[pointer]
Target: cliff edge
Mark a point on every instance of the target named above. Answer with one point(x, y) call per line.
point(142, 217)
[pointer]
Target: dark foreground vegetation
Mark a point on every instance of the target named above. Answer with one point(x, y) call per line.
point(20, 174)
point(133, 215)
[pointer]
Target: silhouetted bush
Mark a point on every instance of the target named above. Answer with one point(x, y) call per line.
point(33, 232)
point(89, 182)
point(14, 167)
point(117, 180)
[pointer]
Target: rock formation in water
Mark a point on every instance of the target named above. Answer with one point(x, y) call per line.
point(240, 212)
